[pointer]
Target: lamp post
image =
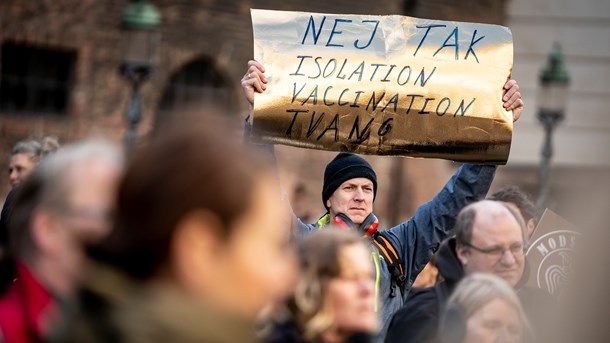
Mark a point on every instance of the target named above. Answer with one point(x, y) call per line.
point(552, 98)
point(140, 41)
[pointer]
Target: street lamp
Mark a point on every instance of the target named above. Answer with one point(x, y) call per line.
point(139, 47)
point(552, 99)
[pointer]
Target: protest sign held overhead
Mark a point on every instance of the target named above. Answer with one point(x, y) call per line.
point(384, 85)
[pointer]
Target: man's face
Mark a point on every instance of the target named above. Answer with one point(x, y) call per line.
point(354, 198)
point(496, 247)
point(20, 166)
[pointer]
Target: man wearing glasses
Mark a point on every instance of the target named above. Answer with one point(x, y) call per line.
point(489, 238)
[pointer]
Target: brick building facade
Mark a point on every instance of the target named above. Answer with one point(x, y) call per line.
point(210, 40)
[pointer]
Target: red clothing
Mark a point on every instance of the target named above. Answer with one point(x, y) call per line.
point(26, 309)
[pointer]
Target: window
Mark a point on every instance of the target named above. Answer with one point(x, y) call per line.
point(35, 80)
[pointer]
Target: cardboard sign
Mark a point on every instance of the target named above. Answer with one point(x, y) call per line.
point(384, 85)
point(550, 253)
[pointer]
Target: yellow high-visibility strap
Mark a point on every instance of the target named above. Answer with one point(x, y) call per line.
point(325, 219)
point(375, 257)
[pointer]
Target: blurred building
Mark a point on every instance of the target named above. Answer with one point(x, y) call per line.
point(59, 75)
point(581, 161)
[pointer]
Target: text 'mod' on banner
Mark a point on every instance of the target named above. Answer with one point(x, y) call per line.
point(383, 85)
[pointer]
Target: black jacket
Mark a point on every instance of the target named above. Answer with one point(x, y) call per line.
point(288, 332)
point(418, 320)
point(4, 218)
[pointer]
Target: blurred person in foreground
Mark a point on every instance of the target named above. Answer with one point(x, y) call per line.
point(521, 203)
point(200, 246)
point(585, 293)
point(334, 299)
point(489, 238)
point(64, 204)
point(484, 309)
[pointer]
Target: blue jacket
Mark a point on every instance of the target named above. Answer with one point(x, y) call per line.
point(419, 237)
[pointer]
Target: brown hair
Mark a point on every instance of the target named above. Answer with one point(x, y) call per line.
point(174, 174)
point(464, 223)
point(515, 195)
point(319, 260)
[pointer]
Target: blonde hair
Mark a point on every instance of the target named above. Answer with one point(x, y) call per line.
point(478, 289)
point(310, 306)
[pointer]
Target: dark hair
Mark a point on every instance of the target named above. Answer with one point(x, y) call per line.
point(319, 251)
point(185, 170)
point(515, 195)
point(463, 225)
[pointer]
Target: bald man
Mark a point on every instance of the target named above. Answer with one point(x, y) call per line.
point(489, 238)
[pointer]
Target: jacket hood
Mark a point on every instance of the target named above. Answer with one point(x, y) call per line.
point(525, 276)
point(447, 262)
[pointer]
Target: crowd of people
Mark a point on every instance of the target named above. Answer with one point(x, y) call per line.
point(190, 239)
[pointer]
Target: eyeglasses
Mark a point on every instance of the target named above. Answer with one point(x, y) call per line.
point(516, 249)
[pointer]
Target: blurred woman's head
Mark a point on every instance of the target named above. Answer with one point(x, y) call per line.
point(198, 210)
point(26, 154)
point(484, 308)
point(334, 299)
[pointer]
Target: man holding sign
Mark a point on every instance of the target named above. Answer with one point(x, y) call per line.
point(350, 184)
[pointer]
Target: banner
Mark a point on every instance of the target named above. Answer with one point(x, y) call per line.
point(383, 85)
point(550, 253)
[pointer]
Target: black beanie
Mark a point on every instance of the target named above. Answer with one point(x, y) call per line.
point(343, 167)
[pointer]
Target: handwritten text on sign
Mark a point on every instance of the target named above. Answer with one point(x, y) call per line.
point(383, 85)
